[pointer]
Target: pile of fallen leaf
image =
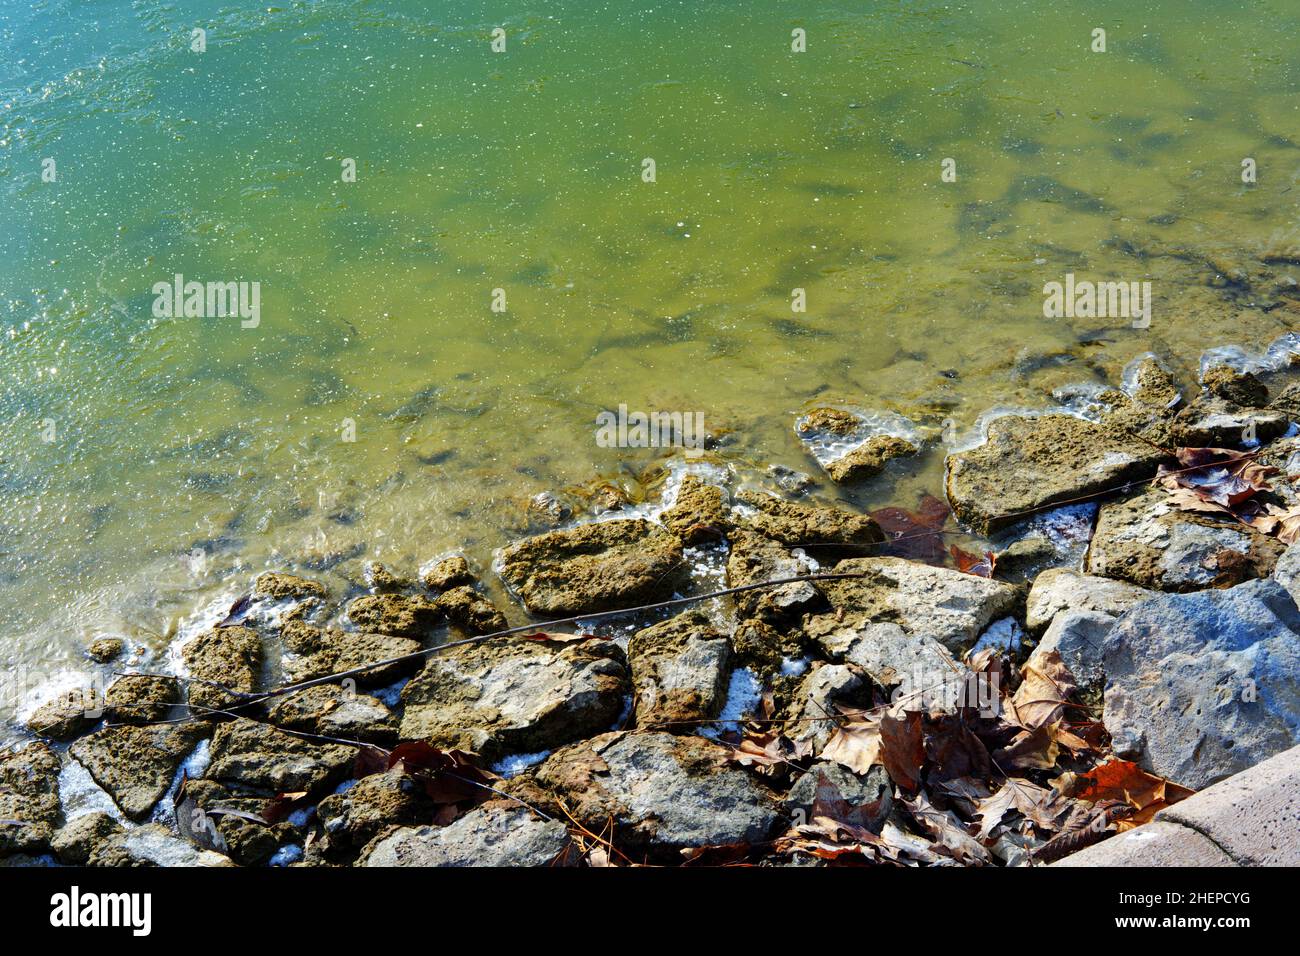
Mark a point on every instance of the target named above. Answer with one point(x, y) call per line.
point(1025, 782)
point(1221, 481)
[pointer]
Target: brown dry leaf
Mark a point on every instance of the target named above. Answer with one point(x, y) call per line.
point(759, 750)
point(856, 742)
point(1124, 781)
point(1285, 522)
point(949, 833)
point(1043, 695)
point(902, 742)
point(1040, 806)
point(1214, 479)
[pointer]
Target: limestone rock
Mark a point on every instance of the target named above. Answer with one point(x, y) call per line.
point(451, 572)
point(509, 695)
point(753, 559)
point(869, 458)
point(1147, 541)
point(1062, 589)
point(593, 567)
point(794, 524)
point(140, 698)
point(951, 607)
point(29, 799)
point(255, 755)
point(229, 656)
point(492, 835)
point(77, 839)
point(1203, 685)
point(395, 615)
point(699, 513)
point(680, 670)
point(334, 711)
point(136, 765)
point(278, 586)
point(152, 845)
point(1028, 464)
point(316, 652)
point(662, 791)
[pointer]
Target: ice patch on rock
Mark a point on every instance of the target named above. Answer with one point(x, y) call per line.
point(744, 693)
point(193, 766)
point(826, 446)
point(1003, 634)
point(794, 666)
point(518, 763)
point(289, 853)
point(1281, 352)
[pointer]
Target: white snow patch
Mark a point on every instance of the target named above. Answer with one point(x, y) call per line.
point(518, 763)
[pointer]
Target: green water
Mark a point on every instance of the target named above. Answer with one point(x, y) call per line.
point(522, 171)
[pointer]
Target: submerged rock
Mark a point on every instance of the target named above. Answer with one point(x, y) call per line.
point(136, 765)
point(229, 656)
point(662, 792)
point(1201, 686)
point(699, 514)
point(1061, 589)
point(140, 698)
point(1147, 541)
point(794, 524)
point(680, 671)
point(395, 615)
point(105, 649)
point(869, 458)
point(593, 567)
point(496, 834)
point(452, 572)
point(1028, 464)
point(951, 607)
point(279, 586)
point(29, 799)
point(318, 652)
point(255, 755)
point(510, 695)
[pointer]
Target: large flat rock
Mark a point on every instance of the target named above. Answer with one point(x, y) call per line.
point(136, 765)
point(1029, 464)
point(662, 793)
point(796, 524)
point(1203, 685)
point(1063, 589)
point(253, 755)
point(511, 695)
point(493, 835)
point(1147, 541)
point(593, 567)
point(947, 606)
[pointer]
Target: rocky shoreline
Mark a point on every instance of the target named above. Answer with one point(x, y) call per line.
point(907, 701)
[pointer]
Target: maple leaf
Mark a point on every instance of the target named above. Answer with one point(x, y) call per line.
point(1126, 782)
point(1284, 521)
point(760, 750)
point(1213, 480)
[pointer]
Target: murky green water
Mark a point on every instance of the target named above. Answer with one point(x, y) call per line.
point(149, 465)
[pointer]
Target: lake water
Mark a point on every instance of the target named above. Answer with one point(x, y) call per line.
point(151, 465)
